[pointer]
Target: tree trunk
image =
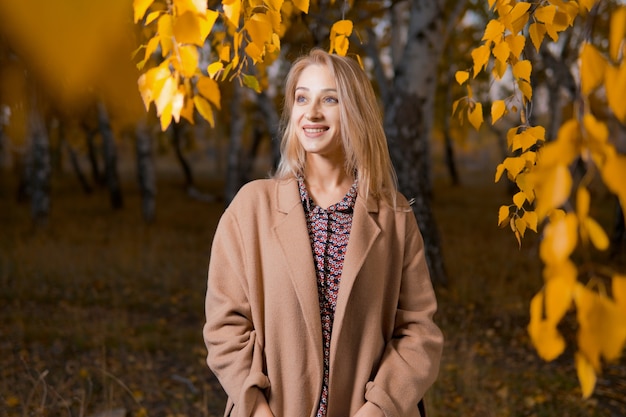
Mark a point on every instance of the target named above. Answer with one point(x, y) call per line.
point(448, 141)
point(82, 179)
point(408, 120)
point(177, 132)
point(145, 172)
point(270, 114)
point(38, 165)
point(109, 151)
point(233, 167)
point(90, 134)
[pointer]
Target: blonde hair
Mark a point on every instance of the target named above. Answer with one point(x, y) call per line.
point(362, 134)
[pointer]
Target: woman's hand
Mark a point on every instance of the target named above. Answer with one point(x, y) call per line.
point(261, 408)
point(369, 410)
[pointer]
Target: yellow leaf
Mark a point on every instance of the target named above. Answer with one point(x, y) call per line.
point(164, 99)
point(596, 233)
point(514, 165)
point(339, 34)
point(140, 7)
point(520, 227)
point(553, 189)
point(526, 89)
point(545, 14)
point(586, 375)
point(502, 51)
point(494, 31)
point(232, 11)
point(151, 83)
point(166, 116)
point(613, 174)
point(166, 32)
point(559, 294)
point(522, 70)
point(209, 88)
point(224, 53)
point(475, 115)
point(552, 31)
point(214, 68)
point(503, 214)
point(206, 24)
point(615, 85)
point(583, 200)
point(178, 102)
point(499, 171)
point(205, 110)
point(153, 16)
point(516, 43)
point(597, 130)
point(260, 29)
point(530, 217)
point(517, 18)
point(342, 27)
point(592, 68)
point(274, 4)
point(618, 32)
point(187, 111)
point(302, 5)
point(602, 328)
point(519, 199)
point(498, 109)
point(537, 33)
point(619, 290)
point(188, 60)
point(560, 239)
point(480, 56)
point(461, 77)
point(543, 333)
point(186, 29)
point(151, 47)
point(255, 52)
point(341, 45)
point(499, 68)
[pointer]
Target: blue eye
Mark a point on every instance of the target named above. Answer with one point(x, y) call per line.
point(331, 100)
point(300, 99)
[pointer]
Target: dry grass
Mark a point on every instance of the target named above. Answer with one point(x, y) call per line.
point(99, 311)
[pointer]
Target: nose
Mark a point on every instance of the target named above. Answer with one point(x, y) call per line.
point(313, 112)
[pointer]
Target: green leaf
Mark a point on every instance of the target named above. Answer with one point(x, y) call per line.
point(251, 82)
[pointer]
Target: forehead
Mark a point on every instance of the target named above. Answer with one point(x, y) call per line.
point(316, 77)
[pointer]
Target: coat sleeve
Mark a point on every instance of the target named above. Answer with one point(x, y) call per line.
point(234, 351)
point(410, 362)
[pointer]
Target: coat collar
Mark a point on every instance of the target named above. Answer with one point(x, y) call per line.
point(293, 236)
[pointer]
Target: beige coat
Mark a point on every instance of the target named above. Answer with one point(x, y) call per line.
point(263, 328)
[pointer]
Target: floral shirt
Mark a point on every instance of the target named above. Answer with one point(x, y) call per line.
point(329, 231)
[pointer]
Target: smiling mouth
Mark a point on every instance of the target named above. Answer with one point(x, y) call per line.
point(315, 130)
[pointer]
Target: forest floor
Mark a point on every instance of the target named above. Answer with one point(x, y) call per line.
point(101, 314)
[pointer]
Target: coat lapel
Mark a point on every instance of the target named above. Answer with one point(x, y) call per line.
point(364, 232)
point(292, 234)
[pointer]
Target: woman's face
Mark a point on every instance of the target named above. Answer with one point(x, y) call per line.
point(315, 113)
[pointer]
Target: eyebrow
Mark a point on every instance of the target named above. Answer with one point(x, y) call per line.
point(334, 90)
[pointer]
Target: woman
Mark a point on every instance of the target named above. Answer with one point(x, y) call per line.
point(319, 301)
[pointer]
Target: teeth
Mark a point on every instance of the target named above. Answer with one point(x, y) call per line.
point(318, 130)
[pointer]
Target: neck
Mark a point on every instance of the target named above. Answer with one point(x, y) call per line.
point(326, 182)
point(326, 174)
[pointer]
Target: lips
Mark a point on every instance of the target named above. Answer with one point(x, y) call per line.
point(315, 129)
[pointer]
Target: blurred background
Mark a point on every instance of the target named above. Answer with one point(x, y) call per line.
point(106, 221)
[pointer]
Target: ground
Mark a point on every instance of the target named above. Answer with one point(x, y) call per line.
point(102, 313)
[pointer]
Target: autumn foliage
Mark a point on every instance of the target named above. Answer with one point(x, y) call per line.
point(549, 194)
